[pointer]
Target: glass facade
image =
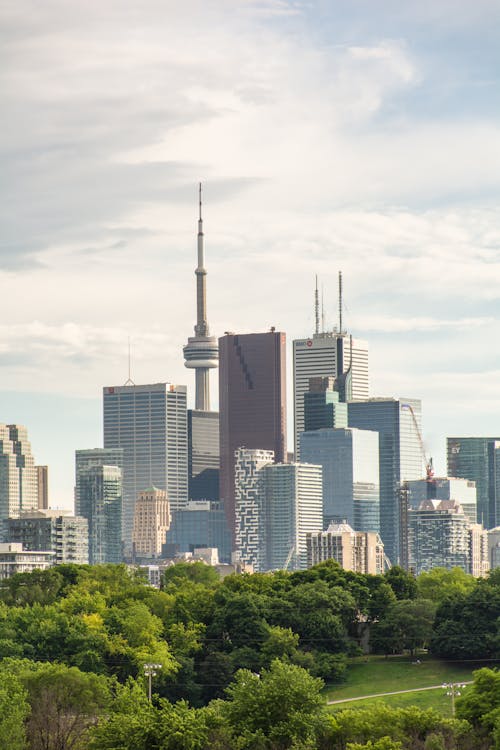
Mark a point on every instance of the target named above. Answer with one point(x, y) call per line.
point(18, 477)
point(101, 495)
point(398, 422)
point(252, 402)
point(202, 524)
point(438, 536)
point(149, 422)
point(326, 355)
point(478, 459)
point(66, 536)
point(203, 454)
point(350, 463)
point(293, 508)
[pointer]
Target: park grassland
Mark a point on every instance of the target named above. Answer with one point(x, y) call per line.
point(372, 675)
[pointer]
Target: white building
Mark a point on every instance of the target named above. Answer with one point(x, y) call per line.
point(250, 537)
point(18, 476)
point(327, 354)
point(150, 423)
point(277, 505)
point(14, 559)
point(293, 507)
point(359, 551)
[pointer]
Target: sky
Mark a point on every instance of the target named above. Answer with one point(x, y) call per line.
point(352, 135)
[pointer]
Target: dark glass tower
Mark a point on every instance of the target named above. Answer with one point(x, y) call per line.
point(478, 459)
point(203, 454)
point(252, 402)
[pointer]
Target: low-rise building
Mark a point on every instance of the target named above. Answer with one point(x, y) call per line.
point(14, 559)
point(51, 531)
point(359, 551)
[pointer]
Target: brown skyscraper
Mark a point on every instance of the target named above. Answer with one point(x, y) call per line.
point(252, 402)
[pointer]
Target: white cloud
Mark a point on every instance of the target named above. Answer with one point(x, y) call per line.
point(312, 160)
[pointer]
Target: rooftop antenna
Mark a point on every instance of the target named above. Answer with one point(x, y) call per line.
point(316, 307)
point(129, 380)
point(322, 310)
point(340, 301)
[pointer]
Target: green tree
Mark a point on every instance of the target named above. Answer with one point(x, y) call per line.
point(130, 723)
point(441, 583)
point(14, 710)
point(64, 702)
point(283, 705)
point(408, 624)
point(402, 583)
point(196, 572)
point(384, 743)
point(480, 705)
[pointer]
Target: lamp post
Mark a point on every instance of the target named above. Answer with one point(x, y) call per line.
point(453, 689)
point(151, 670)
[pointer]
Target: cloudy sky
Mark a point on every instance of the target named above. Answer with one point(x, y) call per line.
point(360, 135)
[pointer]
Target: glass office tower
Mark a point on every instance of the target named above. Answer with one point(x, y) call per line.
point(328, 354)
point(203, 454)
point(350, 461)
point(101, 494)
point(252, 402)
point(398, 422)
point(150, 423)
point(478, 459)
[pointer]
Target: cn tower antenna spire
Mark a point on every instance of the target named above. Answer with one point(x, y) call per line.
point(201, 352)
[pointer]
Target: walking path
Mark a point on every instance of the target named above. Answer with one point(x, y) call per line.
point(395, 692)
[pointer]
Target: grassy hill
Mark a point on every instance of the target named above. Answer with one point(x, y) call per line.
point(368, 676)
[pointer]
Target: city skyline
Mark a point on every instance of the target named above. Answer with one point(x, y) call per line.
point(327, 138)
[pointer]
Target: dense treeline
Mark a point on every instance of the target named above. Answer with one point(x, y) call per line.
point(243, 659)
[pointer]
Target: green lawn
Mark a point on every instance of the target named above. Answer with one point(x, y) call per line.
point(366, 676)
point(436, 699)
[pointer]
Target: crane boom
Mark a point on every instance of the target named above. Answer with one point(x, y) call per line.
point(429, 466)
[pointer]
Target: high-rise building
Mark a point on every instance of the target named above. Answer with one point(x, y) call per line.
point(150, 423)
point(478, 459)
point(328, 354)
point(252, 402)
point(398, 422)
point(42, 477)
point(444, 488)
point(359, 551)
point(494, 547)
point(440, 535)
point(350, 462)
point(322, 406)
point(18, 481)
point(203, 454)
point(277, 505)
point(86, 458)
point(250, 519)
point(51, 531)
point(101, 496)
point(201, 352)
point(201, 524)
point(151, 523)
point(293, 508)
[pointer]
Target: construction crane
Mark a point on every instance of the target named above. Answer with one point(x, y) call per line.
point(289, 557)
point(429, 466)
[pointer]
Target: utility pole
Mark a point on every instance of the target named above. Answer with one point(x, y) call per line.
point(151, 670)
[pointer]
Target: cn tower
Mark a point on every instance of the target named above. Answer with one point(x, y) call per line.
point(201, 352)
